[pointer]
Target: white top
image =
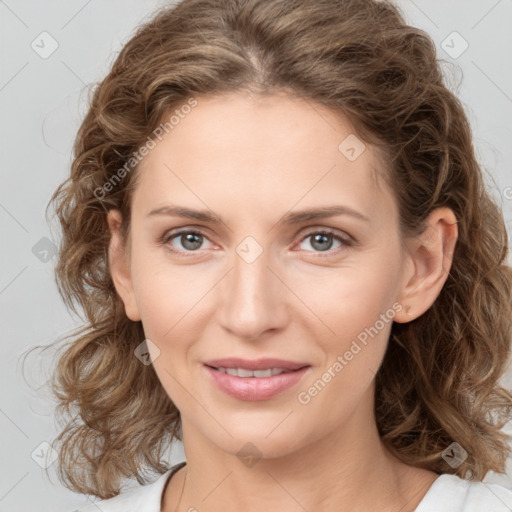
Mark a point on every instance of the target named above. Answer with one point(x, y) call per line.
point(448, 493)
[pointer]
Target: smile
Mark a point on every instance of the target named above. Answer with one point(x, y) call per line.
point(254, 385)
point(242, 372)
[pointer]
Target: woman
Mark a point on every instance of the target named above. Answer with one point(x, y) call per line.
point(278, 230)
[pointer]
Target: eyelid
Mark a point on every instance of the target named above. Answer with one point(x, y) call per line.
point(342, 235)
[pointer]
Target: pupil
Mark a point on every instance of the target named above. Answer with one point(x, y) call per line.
point(321, 238)
point(189, 239)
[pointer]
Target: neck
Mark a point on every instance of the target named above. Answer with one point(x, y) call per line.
point(348, 470)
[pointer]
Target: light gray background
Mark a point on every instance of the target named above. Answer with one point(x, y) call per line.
point(43, 101)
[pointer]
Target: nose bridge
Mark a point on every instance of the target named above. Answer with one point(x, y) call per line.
point(253, 300)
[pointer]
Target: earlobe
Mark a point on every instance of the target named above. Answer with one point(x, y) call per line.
point(430, 257)
point(119, 265)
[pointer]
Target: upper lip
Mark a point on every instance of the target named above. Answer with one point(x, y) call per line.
point(255, 364)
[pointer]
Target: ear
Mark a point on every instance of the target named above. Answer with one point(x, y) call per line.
point(119, 265)
point(429, 258)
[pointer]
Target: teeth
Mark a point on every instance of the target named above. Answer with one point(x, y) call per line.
point(241, 372)
point(263, 373)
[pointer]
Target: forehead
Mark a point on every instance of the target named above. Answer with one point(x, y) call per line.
point(263, 151)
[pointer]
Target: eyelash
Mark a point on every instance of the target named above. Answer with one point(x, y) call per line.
point(346, 241)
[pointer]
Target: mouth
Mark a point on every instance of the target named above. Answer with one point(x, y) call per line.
point(244, 373)
point(266, 378)
point(267, 363)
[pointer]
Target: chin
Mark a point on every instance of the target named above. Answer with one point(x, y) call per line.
point(251, 444)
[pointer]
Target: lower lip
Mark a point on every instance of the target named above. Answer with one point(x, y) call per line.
point(255, 388)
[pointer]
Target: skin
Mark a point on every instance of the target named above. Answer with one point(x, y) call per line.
point(252, 160)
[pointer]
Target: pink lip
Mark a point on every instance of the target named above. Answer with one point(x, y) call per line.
point(255, 388)
point(256, 364)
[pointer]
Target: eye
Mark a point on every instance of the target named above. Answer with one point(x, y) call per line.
point(322, 241)
point(189, 241)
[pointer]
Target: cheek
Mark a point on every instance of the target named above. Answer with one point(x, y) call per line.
point(165, 294)
point(345, 301)
point(357, 308)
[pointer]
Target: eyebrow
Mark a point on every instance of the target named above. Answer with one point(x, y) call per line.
point(288, 219)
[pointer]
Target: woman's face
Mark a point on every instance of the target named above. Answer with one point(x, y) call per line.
point(258, 280)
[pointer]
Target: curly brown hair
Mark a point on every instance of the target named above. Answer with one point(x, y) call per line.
point(438, 382)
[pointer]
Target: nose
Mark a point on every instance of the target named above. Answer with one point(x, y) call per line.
point(253, 298)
